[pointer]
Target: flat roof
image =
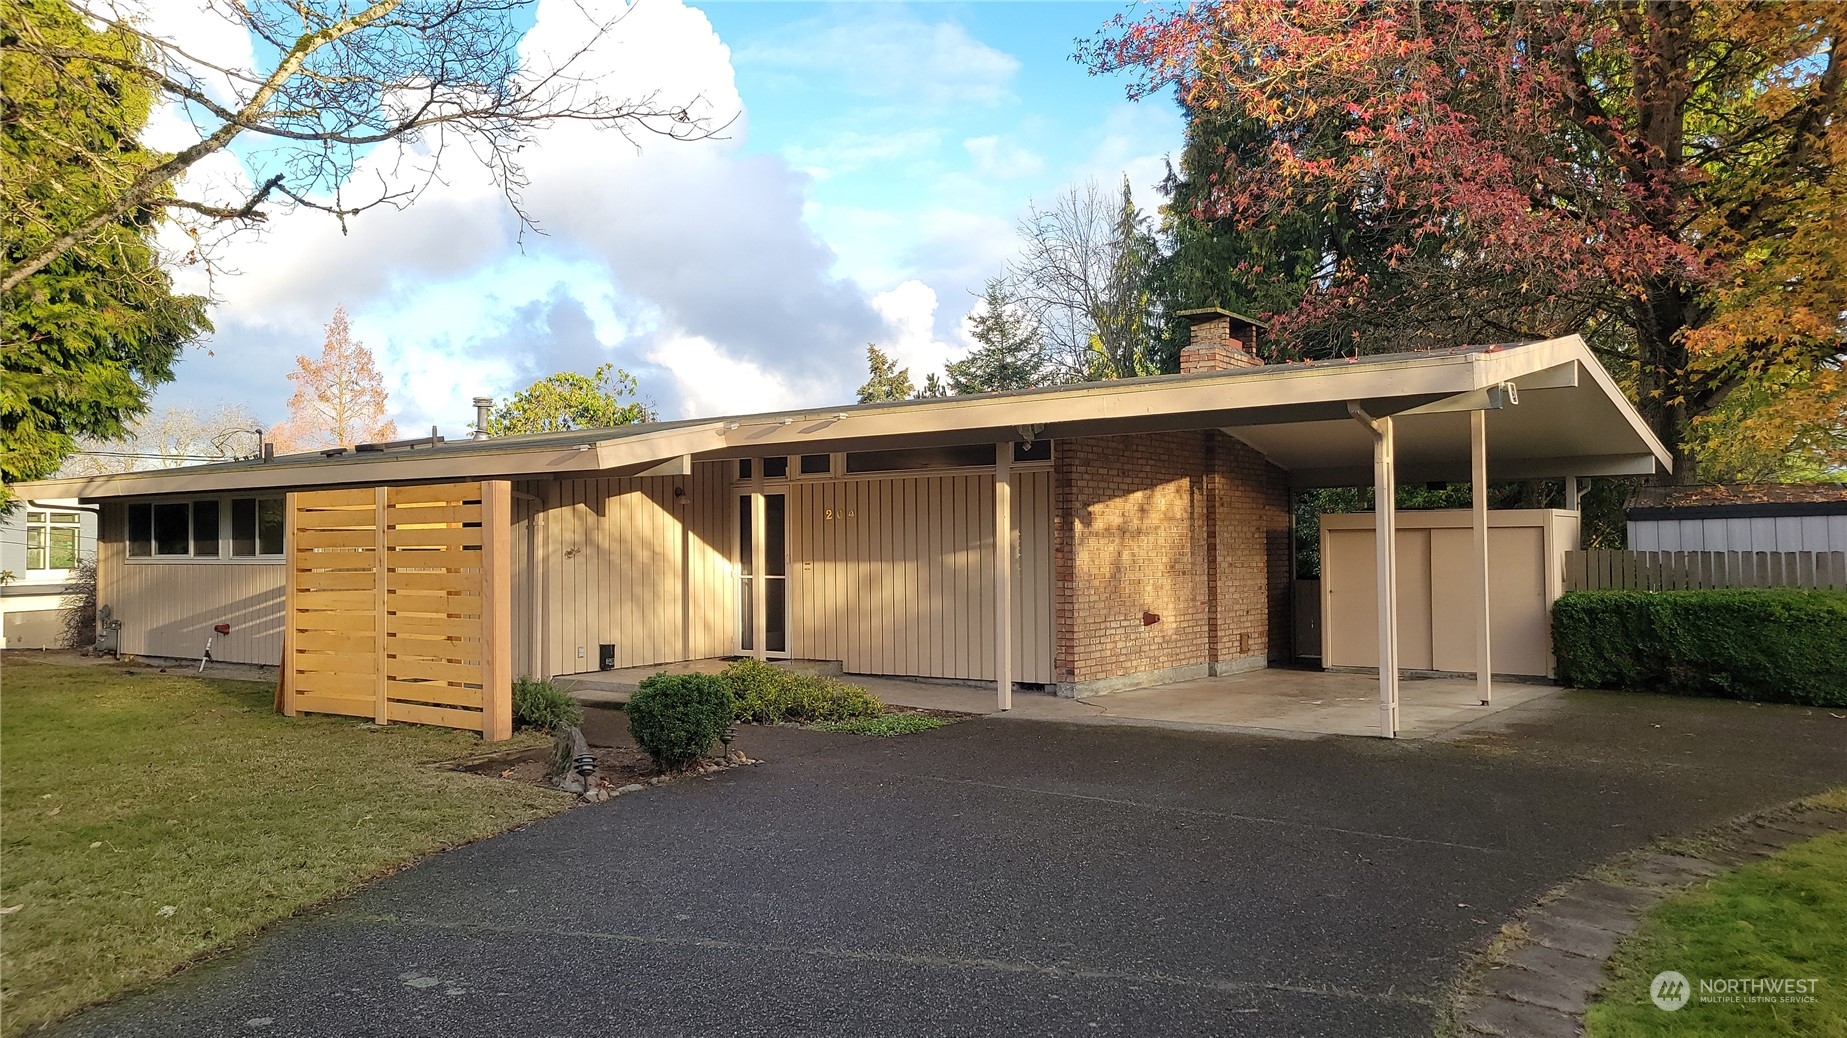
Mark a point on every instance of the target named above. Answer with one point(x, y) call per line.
point(1571, 419)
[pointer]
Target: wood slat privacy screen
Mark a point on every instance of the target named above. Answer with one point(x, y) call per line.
point(398, 605)
point(1695, 570)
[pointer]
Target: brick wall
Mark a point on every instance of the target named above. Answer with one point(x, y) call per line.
point(1192, 528)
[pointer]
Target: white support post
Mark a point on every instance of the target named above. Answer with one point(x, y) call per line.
point(1385, 541)
point(1003, 575)
point(759, 595)
point(1574, 495)
point(1478, 484)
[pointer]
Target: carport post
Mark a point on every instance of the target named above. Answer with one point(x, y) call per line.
point(1003, 575)
point(1478, 484)
point(759, 598)
point(1385, 544)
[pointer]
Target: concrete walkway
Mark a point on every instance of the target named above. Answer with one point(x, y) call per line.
point(1288, 702)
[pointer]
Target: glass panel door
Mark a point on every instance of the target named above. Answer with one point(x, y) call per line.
point(774, 572)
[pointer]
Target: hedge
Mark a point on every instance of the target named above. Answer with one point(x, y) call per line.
point(1768, 645)
point(772, 695)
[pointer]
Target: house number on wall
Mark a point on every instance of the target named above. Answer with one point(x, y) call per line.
point(828, 513)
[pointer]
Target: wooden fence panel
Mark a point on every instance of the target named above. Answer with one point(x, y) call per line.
point(398, 605)
point(1600, 569)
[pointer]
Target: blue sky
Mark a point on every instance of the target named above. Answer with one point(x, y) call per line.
point(880, 157)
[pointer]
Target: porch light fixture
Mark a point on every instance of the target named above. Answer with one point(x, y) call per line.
point(840, 417)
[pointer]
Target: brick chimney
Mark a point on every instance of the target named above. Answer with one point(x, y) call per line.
point(1220, 341)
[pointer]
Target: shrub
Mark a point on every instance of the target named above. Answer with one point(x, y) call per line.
point(1770, 645)
point(543, 705)
point(771, 695)
point(883, 724)
point(675, 718)
point(78, 619)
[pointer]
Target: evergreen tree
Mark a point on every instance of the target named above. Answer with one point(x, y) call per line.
point(1009, 353)
point(88, 334)
point(885, 379)
point(933, 387)
point(1208, 260)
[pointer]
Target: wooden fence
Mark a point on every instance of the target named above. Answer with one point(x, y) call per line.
point(398, 605)
point(1693, 570)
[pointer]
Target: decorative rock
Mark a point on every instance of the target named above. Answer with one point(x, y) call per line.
point(633, 787)
point(567, 745)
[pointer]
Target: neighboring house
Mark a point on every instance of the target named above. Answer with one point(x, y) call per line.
point(1739, 517)
point(1146, 525)
point(41, 543)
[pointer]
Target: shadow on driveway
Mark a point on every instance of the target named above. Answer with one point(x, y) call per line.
point(1008, 877)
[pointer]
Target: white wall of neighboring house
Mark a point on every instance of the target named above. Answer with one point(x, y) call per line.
point(32, 596)
point(1754, 533)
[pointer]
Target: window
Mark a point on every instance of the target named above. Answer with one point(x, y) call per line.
point(256, 526)
point(173, 529)
point(773, 468)
point(205, 529)
point(817, 464)
point(973, 456)
point(196, 529)
point(52, 539)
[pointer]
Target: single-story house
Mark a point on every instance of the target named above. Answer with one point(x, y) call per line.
point(41, 549)
point(1144, 525)
point(1744, 517)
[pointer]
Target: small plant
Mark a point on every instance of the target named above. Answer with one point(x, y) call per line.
point(544, 706)
point(771, 695)
point(882, 725)
point(675, 718)
point(78, 619)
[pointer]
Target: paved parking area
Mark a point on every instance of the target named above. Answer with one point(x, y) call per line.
point(1011, 877)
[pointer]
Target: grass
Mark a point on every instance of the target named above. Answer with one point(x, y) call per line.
point(882, 724)
point(154, 818)
point(1781, 917)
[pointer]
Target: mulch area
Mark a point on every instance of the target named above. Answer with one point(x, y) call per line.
point(615, 765)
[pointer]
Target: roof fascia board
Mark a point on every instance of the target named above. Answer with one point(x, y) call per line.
point(1457, 470)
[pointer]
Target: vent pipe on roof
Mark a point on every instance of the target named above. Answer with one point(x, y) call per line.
point(483, 404)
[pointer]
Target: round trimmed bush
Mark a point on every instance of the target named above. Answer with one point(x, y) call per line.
point(675, 718)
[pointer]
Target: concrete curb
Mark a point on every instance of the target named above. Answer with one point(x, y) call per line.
point(1548, 966)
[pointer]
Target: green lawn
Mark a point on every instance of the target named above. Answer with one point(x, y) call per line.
point(151, 818)
point(1783, 917)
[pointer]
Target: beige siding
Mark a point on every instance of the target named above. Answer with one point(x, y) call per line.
point(1436, 581)
point(168, 608)
point(895, 575)
point(614, 557)
point(898, 581)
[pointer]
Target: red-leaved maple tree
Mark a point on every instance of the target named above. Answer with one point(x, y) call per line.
point(1664, 177)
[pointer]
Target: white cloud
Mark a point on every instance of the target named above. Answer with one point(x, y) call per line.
point(1001, 159)
point(688, 262)
point(885, 51)
point(910, 320)
point(712, 382)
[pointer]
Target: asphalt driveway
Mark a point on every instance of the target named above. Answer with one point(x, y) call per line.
point(1007, 877)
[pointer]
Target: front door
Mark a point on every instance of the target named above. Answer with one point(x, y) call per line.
point(774, 572)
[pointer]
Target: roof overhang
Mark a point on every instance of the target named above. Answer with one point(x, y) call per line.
point(1570, 419)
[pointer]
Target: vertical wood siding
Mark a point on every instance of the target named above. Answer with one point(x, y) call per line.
point(614, 556)
point(898, 581)
point(168, 608)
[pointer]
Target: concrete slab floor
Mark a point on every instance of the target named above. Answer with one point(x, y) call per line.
point(1281, 701)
